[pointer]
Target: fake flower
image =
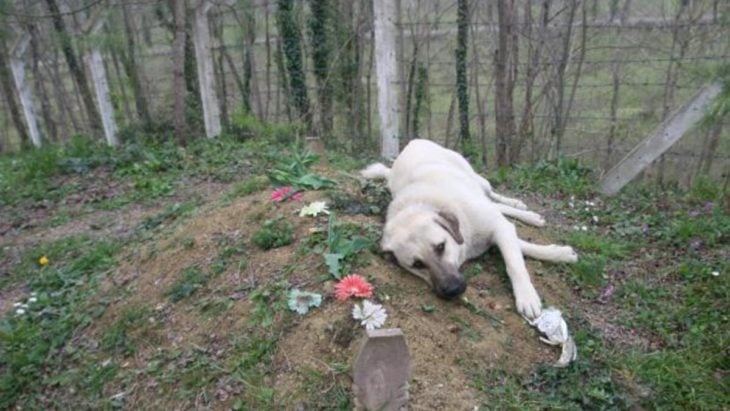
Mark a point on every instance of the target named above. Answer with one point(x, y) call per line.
point(19, 311)
point(353, 285)
point(551, 323)
point(300, 301)
point(314, 209)
point(281, 194)
point(371, 315)
point(43, 261)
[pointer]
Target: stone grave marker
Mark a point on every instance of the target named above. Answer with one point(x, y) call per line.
point(381, 372)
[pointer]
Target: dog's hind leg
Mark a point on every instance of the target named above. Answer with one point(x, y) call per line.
point(512, 202)
point(376, 170)
point(525, 216)
point(552, 252)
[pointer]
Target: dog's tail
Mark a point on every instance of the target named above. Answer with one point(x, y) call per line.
point(376, 170)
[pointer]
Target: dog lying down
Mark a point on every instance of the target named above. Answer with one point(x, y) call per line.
point(443, 213)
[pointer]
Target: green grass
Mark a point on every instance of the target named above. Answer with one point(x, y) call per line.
point(667, 245)
point(32, 348)
point(119, 338)
point(248, 186)
point(191, 279)
point(273, 234)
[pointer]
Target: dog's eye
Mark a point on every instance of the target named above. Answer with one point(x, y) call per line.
point(418, 265)
point(439, 248)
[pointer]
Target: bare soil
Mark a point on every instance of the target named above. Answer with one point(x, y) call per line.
point(448, 346)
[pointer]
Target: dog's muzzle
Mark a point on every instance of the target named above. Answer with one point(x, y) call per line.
point(449, 284)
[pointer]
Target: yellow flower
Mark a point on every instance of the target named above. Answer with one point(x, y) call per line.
point(43, 261)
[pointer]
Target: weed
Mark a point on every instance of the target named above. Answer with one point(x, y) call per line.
point(588, 383)
point(168, 215)
point(294, 171)
point(273, 234)
point(268, 302)
point(230, 247)
point(32, 343)
point(192, 279)
point(244, 126)
point(248, 186)
point(342, 246)
point(118, 338)
point(373, 199)
point(327, 391)
point(214, 306)
point(564, 175)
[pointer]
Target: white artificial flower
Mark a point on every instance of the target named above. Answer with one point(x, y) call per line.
point(16, 305)
point(20, 311)
point(715, 273)
point(301, 301)
point(314, 209)
point(32, 300)
point(595, 219)
point(583, 228)
point(371, 315)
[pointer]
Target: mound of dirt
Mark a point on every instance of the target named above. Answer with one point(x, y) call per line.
point(451, 344)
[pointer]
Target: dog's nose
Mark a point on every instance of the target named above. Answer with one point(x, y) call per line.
point(452, 289)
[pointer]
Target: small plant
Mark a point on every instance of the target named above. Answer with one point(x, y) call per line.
point(273, 234)
point(340, 248)
point(192, 279)
point(294, 171)
point(117, 337)
point(248, 186)
point(168, 215)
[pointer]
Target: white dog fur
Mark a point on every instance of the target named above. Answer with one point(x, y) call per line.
point(443, 213)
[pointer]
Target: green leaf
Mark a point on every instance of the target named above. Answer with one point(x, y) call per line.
point(333, 263)
point(313, 181)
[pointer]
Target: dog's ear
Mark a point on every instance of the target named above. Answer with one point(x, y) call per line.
point(450, 223)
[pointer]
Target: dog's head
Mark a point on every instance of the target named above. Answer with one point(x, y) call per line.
point(429, 244)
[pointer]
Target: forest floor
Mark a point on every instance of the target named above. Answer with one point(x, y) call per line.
point(137, 278)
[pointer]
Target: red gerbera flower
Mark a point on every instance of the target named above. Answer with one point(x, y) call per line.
point(281, 194)
point(353, 285)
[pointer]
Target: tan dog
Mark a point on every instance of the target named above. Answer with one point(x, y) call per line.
point(443, 213)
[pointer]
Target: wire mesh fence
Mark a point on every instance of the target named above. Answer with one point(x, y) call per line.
point(590, 78)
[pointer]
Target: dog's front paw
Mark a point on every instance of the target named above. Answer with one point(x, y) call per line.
point(528, 302)
point(534, 219)
point(519, 204)
point(566, 254)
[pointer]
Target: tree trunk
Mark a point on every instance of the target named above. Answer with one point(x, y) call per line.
point(614, 120)
point(6, 81)
point(559, 111)
point(220, 67)
point(178, 57)
point(504, 83)
point(131, 68)
point(713, 143)
point(268, 59)
point(40, 86)
point(386, 66)
point(320, 23)
point(77, 72)
point(462, 88)
point(578, 70)
point(206, 71)
point(526, 129)
point(291, 40)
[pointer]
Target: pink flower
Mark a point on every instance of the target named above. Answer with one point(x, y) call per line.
point(353, 285)
point(281, 194)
